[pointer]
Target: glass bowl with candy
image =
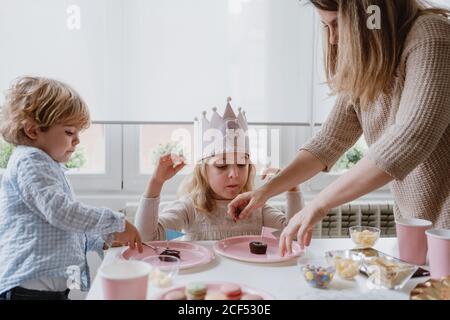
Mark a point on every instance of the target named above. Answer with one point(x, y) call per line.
point(318, 272)
point(346, 262)
point(164, 269)
point(364, 237)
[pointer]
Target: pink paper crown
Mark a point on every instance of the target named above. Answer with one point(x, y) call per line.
point(221, 134)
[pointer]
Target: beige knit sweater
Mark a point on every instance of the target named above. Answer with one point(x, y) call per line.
point(408, 130)
point(181, 215)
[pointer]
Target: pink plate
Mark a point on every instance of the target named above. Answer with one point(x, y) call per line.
point(192, 255)
point(215, 286)
point(238, 248)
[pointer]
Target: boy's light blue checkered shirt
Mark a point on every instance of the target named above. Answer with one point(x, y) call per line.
point(44, 231)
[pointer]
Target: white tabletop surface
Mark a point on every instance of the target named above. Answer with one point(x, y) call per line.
point(282, 281)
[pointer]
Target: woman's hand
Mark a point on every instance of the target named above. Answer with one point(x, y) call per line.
point(347, 188)
point(268, 173)
point(168, 166)
point(301, 226)
point(244, 204)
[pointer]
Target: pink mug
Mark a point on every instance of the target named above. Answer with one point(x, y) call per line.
point(412, 241)
point(439, 252)
point(125, 280)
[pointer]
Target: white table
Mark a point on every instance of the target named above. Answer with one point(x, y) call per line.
point(283, 281)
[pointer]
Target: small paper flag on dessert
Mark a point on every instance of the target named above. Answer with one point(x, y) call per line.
point(173, 234)
point(267, 232)
point(277, 234)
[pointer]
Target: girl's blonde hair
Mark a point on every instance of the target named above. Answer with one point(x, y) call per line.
point(364, 62)
point(197, 188)
point(44, 101)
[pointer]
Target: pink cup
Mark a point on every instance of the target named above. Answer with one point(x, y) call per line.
point(412, 241)
point(439, 252)
point(125, 280)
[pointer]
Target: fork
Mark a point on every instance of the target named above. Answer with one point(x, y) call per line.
point(150, 246)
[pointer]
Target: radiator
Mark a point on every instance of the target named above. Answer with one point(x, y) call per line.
point(337, 222)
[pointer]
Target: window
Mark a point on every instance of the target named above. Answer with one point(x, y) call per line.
point(441, 3)
point(264, 145)
point(269, 145)
point(152, 136)
point(351, 157)
point(89, 157)
point(5, 152)
point(100, 151)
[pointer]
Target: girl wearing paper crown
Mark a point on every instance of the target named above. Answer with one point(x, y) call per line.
point(222, 172)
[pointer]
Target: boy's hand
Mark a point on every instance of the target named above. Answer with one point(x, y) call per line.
point(269, 173)
point(168, 166)
point(130, 237)
point(114, 244)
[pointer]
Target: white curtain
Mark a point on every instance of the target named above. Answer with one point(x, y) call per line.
point(167, 60)
point(42, 37)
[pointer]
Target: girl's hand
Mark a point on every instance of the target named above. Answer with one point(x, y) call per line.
point(129, 237)
point(168, 166)
point(301, 226)
point(268, 173)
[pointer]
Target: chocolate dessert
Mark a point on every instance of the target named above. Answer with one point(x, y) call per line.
point(257, 247)
point(169, 252)
point(237, 213)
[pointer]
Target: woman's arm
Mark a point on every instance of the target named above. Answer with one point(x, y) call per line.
point(304, 167)
point(363, 178)
point(277, 219)
point(423, 114)
point(294, 196)
point(301, 169)
point(422, 118)
point(294, 203)
point(339, 132)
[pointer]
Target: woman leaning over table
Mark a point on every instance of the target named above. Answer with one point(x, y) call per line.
point(393, 85)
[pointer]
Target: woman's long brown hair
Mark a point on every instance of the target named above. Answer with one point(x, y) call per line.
point(364, 62)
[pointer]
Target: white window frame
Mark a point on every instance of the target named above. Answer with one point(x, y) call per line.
point(133, 181)
point(111, 180)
